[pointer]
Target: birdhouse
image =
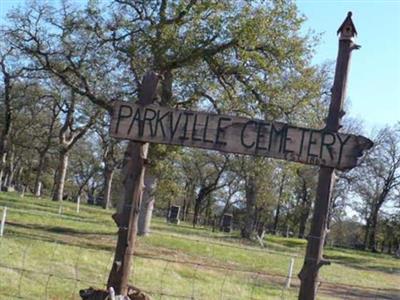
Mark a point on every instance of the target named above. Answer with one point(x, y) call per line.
point(347, 31)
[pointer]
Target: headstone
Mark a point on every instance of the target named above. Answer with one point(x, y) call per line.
point(173, 215)
point(227, 222)
point(8, 188)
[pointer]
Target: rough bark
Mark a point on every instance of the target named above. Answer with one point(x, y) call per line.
point(39, 172)
point(108, 177)
point(305, 210)
point(146, 207)
point(372, 230)
point(207, 187)
point(276, 219)
point(59, 180)
point(183, 209)
point(7, 125)
point(1, 178)
point(366, 233)
point(197, 204)
point(189, 195)
point(10, 170)
point(251, 197)
point(278, 206)
point(68, 136)
point(133, 170)
point(42, 150)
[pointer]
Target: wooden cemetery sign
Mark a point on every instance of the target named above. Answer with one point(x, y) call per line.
point(145, 122)
point(155, 124)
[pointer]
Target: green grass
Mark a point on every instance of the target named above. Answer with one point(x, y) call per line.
point(45, 255)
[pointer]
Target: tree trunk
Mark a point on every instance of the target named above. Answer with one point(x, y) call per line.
point(208, 211)
point(305, 211)
point(278, 207)
point(10, 170)
point(224, 211)
point(199, 199)
point(276, 219)
point(18, 177)
point(5, 180)
point(60, 176)
point(366, 235)
point(3, 160)
point(7, 123)
point(187, 210)
point(10, 178)
point(251, 196)
point(145, 217)
point(146, 206)
point(196, 211)
point(302, 226)
point(389, 248)
point(1, 178)
point(395, 246)
point(38, 184)
point(189, 195)
point(184, 209)
point(108, 177)
point(372, 230)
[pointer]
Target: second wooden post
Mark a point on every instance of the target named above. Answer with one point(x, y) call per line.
point(313, 259)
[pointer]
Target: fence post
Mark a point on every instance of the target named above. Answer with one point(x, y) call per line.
point(134, 166)
point(3, 221)
point(289, 278)
point(78, 202)
point(313, 259)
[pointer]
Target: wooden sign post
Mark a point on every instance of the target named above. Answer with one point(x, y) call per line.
point(144, 122)
point(313, 259)
point(133, 181)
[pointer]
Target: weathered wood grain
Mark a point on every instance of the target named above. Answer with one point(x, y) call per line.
point(232, 134)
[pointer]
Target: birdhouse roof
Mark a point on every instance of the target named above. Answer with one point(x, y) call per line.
point(346, 22)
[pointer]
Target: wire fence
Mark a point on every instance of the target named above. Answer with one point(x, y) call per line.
point(38, 263)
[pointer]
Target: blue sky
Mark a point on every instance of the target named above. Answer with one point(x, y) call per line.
point(374, 82)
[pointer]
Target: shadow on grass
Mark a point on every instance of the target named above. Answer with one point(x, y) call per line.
point(59, 229)
point(353, 293)
point(188, 230)
point(361, 263)
point(61, 235)
point(61, 241)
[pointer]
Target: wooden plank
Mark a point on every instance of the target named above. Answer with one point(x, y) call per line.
point(232, 134)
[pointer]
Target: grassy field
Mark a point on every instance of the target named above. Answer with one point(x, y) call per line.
point(47, 255)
